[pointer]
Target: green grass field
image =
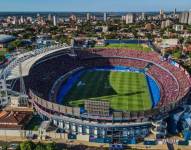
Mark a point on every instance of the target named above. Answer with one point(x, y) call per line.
point(124, 90)
point(3, 51)
point(143, 47)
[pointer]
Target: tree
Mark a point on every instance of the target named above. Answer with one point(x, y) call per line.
point(4, 147)
point(27, 145)
point(149, 36)
point(40, 146)
point(2, 58)
point(177, 54)
point(51, 146)
point(181, 40)
point(14, 44)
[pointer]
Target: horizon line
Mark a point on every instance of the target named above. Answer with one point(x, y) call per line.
point(87, 11)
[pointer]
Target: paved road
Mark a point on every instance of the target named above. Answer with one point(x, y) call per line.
point(62, 143)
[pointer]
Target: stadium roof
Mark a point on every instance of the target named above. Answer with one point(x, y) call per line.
point(6, 38)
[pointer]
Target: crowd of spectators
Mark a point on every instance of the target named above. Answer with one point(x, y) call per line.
point(42, 76)
point(170, 89)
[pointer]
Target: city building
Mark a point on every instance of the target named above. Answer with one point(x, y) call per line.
point(88, 16)
point(143, 16)
point(49, 17)
point(161, 15)
point(129, 18)
point(183, 18)
point(104, 29)
point(29, 19)
point(161, 12)
point(178, 27)
point(44, 40)
point(54, 21)
point(174, 11)
point(168, 43)
point(166, 23)
point(150, 26)
point(21, 20)
point(189, 18)
point(187, 48)
point(105, 16)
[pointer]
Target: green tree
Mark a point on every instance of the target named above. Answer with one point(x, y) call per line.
point(181, 40)
point(51, 146)
point(149, 36)
point(40, 146)
point(4, 147)
point(177, 54)
point(14, 44)
point(27, 145)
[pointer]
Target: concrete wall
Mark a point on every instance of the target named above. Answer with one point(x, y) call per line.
point(57, 135)
point(17, 133)
point(25, 133)
point(81, 137)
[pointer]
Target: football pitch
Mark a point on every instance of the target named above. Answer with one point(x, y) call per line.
point(142, 47)
point(126, 91)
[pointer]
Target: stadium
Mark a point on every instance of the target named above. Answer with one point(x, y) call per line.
point(107, 95)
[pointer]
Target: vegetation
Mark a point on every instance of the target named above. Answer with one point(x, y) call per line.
point(124, 90)
point(29, 145)
point(34, 123)
point(3, 51)
point(176, 53)
point(14, 44)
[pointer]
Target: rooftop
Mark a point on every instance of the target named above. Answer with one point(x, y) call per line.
point(6, 38)
point(13, 120)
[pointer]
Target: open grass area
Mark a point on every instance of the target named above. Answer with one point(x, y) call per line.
point(3, 51)
point(143, 47)
point(124, 90)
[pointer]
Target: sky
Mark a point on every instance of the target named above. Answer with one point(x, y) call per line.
point(94, 5)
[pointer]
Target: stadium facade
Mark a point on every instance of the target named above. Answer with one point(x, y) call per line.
point(48, 74)
point(119, 126)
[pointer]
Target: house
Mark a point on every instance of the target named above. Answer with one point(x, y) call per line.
point(169, 43)
point(14, 119)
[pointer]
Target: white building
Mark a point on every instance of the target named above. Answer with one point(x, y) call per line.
point(49, 17)
point(104, 29)
point(88, 16)
point(166, 43)
point(129, 18)
point(183, 18)
point(54, 21)
point(21, 20)
point(166, 23)
point(189, 18)
point(105, 16)
point(178, 27)
point(143, 16)
point(161, 12)
point(161, 15)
